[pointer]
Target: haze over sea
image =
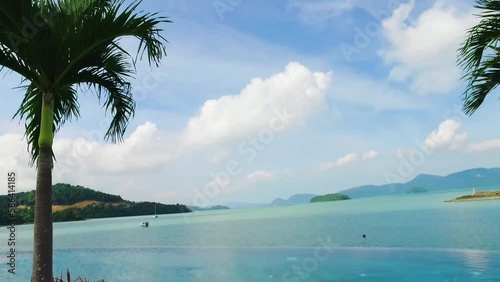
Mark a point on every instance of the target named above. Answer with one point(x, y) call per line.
point(409, 238)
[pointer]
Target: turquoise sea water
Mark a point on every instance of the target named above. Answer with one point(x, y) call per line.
point(409, 238)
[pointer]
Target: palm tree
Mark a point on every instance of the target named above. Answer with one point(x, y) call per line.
point(62, 48)
point(479, 56)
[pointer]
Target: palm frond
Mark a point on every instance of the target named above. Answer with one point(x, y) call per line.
point(76, 44)
point(66, 107)
point(108, 77)
point(16, 41)
point(478, 56)
point(88, 25)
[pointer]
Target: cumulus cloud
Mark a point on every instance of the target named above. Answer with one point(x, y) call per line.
point(260, 175)
point(145, 148)
point(347, 161)
point(294, 94)
point(485, 146)
point(447, 136)
point(423, 51)
point(15, 158)
point(88, 160)
point(370, 155)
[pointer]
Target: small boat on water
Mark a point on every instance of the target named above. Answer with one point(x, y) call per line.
point(155, 216)
point(145, 224)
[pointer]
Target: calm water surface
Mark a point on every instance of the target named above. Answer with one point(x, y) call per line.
point(409, 238)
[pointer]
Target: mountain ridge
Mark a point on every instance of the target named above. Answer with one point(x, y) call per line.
point(475, 177)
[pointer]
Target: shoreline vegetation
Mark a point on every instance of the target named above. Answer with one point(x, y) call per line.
point(330, 198)
point(478, 196)
point(74, 203)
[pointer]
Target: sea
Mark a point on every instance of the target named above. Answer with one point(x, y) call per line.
point(414, 238)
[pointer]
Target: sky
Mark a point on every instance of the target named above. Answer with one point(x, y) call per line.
point(264, 99)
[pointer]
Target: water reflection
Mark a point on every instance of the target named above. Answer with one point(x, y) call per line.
point(477, 261)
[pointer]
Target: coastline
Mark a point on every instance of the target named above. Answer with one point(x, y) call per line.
point(479, 196)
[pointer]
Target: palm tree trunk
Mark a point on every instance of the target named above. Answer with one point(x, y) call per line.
point(42, 243)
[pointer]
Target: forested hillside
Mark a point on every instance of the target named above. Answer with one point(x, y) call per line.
point(78, 203)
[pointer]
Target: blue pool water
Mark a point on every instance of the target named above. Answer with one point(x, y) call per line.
point(409, 238)
point(277, 264)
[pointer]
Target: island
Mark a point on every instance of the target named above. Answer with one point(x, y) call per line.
point(212, 208)
point(416, 190)
point(71, 203)
point(330, 198)
point(478, 196)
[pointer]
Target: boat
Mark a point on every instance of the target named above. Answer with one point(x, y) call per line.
point(145, 224)
point(155, 216)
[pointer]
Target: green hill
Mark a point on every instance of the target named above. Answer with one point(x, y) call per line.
point(66, 194)
point(330, 198)
point(78, 203)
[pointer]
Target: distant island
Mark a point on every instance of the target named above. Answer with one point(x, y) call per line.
point(71, 203)
point(477, 177)
point(416, 190)
point(213, 208)
point(296, 199)
point(478, 196)
point(330, 198)
point(293, 200)
point(422, 183)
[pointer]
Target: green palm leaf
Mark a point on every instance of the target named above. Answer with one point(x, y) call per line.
point(72, 53)
point(479, 56)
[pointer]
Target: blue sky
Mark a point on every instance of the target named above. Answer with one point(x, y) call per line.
point(372, 87)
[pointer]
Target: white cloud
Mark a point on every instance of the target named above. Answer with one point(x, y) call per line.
point(447, 136)
point(15, 159)
point(219, 156)
point(370, 155)
point(87, 160)
point(318, 11)
point(424, 51)
point(145, 148)
point(260, 175)
point(297, 92)
point(485, 146)
point(347, 160)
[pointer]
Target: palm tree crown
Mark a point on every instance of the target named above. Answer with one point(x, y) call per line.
point(61, 46)
point(479, 56)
